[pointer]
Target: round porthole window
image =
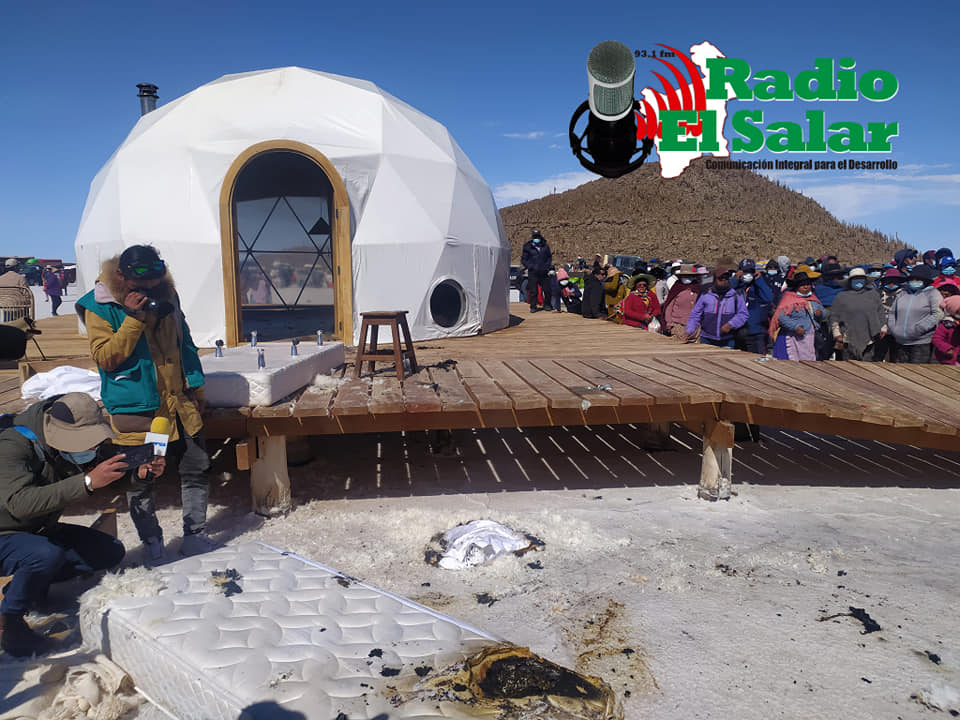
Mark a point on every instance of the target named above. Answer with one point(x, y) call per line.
point(447, 303)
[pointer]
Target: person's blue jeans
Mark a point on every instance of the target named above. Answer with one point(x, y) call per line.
point(61, 552)
point(717, 343)
point(189, 454)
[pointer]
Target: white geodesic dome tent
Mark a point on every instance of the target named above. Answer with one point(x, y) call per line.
point(418, 226)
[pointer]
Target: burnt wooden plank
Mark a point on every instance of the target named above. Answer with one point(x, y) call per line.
point(453, 395)
point(420, 394)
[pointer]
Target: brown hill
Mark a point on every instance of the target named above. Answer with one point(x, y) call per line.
point(699, 216)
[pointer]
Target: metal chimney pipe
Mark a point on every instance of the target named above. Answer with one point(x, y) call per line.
point(148, 98)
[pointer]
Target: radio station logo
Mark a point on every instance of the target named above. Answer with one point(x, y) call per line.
point(685, 117)
point(684, 114)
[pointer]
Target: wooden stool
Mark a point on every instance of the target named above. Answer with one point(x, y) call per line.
point(397, 320)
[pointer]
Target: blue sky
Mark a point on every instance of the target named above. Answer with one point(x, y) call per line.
point(503, 77)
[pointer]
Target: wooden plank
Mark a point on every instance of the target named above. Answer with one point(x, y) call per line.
point(352, 398)
point(521, 394)
point(453, 395)
point(938, 377)
point(8, 384)
point(420, 394)
point(743, 386)
point(810, 382)
point(315, 401)
point(485, 392)
point(913, 374)
point(626, 394)
point(698, 388)
point(279, 410)
point(941, 414)
point(622, 372)
point(575, 383)
point(786, 397)
point(855, 388)
point(386, 396)
point(666, 388)
point(557, 396)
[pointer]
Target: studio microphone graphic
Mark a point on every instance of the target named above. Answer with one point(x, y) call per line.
point(159, 435)
point(609, 143)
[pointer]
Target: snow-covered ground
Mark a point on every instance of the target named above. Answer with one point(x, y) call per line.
point(757, 607)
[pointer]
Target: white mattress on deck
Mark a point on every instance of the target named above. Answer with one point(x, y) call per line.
point(235, 381)
point(300, 635)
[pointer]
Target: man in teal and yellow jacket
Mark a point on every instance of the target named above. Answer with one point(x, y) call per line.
point(149, 368)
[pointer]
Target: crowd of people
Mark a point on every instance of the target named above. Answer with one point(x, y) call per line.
point(906, 310)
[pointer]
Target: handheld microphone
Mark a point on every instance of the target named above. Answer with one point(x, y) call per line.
point(159, 435)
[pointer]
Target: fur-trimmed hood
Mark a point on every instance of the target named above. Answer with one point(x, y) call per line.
point(109, 286)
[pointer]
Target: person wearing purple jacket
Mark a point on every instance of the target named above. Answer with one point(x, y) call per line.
point(719, 312)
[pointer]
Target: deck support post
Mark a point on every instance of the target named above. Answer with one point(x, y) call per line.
point(716, 469)
point(653, 436)
point(269, 481)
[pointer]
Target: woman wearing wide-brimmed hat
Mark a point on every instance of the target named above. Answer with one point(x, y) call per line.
point(795, 321)
point(640, 306)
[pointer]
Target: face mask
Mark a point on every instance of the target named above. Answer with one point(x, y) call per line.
point(537, 241)
point(771, 273)
point(80, 458)
point(857, 284)
point(890, 288)
point(747, 278)
point(915, 285)
point(805, 294)
point(686, 281)
point(949, 271)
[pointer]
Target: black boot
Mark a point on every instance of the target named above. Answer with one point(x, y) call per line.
point(18, 640)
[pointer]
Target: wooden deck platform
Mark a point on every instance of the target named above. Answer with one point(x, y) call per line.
point(551, 369)
point(559, 369)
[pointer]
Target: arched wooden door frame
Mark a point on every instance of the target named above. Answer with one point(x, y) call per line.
point(339, 233)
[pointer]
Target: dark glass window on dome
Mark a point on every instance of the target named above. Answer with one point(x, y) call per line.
point(282, 203)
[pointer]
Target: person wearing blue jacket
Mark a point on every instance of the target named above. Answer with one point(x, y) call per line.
point(759, 297)
point(719, 312)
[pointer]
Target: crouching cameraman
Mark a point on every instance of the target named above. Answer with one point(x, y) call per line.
point(48, 461)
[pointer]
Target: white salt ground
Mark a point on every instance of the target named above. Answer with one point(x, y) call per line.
point(688, 609)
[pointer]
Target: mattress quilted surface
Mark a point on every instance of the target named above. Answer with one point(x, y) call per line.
point(250, 627)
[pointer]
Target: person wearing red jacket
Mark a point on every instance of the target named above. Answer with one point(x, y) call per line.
point(946, 338)
point(641, 305)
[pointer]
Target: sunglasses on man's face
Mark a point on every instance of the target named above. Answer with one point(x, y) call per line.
point(147, 270)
